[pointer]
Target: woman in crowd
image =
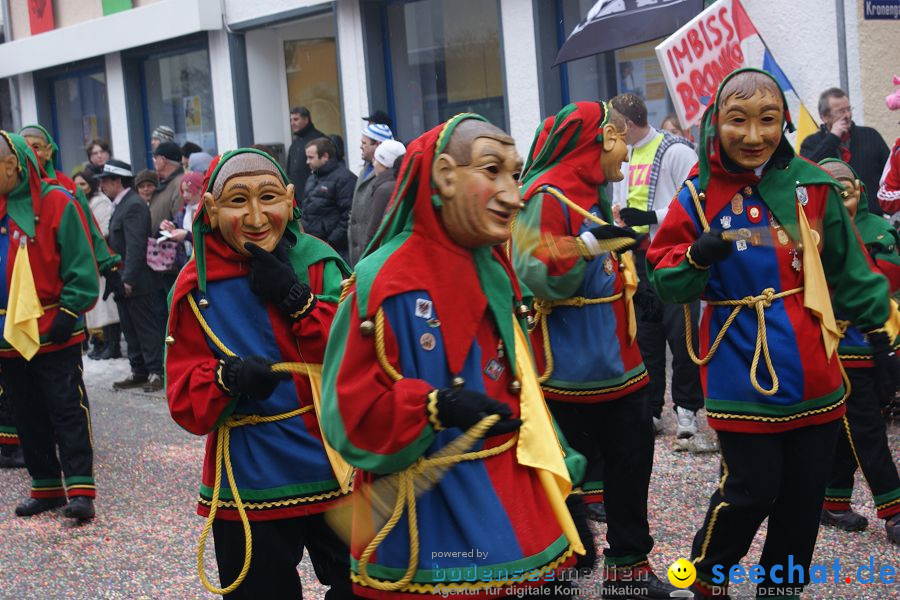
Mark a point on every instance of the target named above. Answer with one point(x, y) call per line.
point(180, 229)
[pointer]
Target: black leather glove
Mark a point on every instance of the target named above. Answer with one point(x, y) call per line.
point(608, 232)
point(114, 285)
point(634, 217)
point(272, 278)
point(62, 326)
point(251, 377)
point(887, 367)
point(710, 248)
point(464, 408)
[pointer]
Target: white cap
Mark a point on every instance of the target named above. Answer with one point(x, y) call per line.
point(388, 151)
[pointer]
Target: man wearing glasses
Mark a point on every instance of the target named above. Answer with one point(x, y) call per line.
point(862, 148)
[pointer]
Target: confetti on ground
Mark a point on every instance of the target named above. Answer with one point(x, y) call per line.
point(143, 543)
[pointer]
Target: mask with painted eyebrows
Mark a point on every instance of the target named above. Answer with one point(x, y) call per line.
point(249, 202)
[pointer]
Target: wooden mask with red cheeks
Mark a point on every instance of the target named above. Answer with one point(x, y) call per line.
point(476, 178)
point(9, 167)
point(615, 151)
point(249, 202)
point(847, 178)
point(750, 119)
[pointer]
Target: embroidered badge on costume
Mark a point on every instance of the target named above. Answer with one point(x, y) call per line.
point(741, 245)
point(493, 369)
point(433, 322)
point(783, 238)
point(423, 308)
point(754, 214)
point(737, 204)
point(773, 221)
point(726, 222)
point(802, 195)
point(608, 266)
point(748, 191)
point(427, 341)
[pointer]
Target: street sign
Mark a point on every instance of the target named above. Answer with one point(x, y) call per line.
point(881, 9)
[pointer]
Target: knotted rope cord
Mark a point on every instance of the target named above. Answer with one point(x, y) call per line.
point(424, 468)
point(223, 454)
point(759, 303)
point(543, 308)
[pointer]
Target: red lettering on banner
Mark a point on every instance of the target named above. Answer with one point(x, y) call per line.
point(691, 106)
point(705, 35)
point(694, 39)
point(683, 53)
point(705, 81)
point(729, 29)
point(711, 25)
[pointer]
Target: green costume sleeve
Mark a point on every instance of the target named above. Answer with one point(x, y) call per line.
point(77, 270)
point(105, 258)
point(858, 291)
point(331, 282)
point(541, 221)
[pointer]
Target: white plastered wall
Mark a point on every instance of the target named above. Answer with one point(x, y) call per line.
point(521, 71)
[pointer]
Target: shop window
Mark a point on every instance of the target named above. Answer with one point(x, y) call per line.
point(73, 106)
point(439, 57)
point(177, 92)
point(312, 81)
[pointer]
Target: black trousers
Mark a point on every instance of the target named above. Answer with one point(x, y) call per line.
point(51, 409)
point(658, 325)
point(143, 323)
point(620, 434)
point(8, 433)
point(863, 436)
point(277, 550)
point(781, 476)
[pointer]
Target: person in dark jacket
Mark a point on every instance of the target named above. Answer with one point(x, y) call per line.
point(303, 131)
point(325, 210)
point(365, 218)
point(140, 293)
point(862, 148)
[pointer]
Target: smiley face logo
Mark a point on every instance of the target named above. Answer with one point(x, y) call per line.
point(682, 573)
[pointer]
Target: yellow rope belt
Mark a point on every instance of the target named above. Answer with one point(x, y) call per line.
point(46, 307)
point(223, 454)
point(423, 469)
point(543, 308)
point(759, 303)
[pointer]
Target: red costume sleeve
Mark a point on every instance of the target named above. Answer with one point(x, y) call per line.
point(195, 401)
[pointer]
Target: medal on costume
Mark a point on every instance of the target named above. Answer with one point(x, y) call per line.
point(725, 221)
point(783, 238)
point(737, 204)
point(608, 266)
point(427, 341)
point(802, 195)
point(493, 369)
point(754, 214)
point(423, 308)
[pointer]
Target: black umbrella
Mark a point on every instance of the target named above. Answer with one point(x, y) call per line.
point(612, 24)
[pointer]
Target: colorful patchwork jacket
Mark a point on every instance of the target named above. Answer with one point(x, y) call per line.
point(106, 258)
point(281, 467)
point(772, 366)
point(882, 242)
point(424, 314)
point(584, 339)
point(44, 220)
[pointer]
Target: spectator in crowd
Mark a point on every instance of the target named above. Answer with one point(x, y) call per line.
point(326, 202)
point(199, 162)
point(166, 201)
point(146, 182)
point(339, 148)
point(889, 191)
point(97, 151)
point(303, 132)
point(862, 148)
point(161, 134)
point(372, 135)
point(103, 320)
point(180, 229)
point(187, 149)
point(671, 124)
point(365, 219)
point(379, 117)
point(140, 294)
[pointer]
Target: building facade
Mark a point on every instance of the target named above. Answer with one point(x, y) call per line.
point(224, 73)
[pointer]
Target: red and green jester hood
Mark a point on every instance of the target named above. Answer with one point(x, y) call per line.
point(412, 251)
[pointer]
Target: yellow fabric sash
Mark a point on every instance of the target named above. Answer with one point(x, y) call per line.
point(23, 307)
point(538, 447)
point(816, 296)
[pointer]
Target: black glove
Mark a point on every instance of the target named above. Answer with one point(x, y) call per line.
point(251, 377)
point(272, 278)
point(710, 248)
point(634, 217)
point(608, 232)
point(887, 367)
point(62, 326)
point(114, 285)
point(464, 408)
